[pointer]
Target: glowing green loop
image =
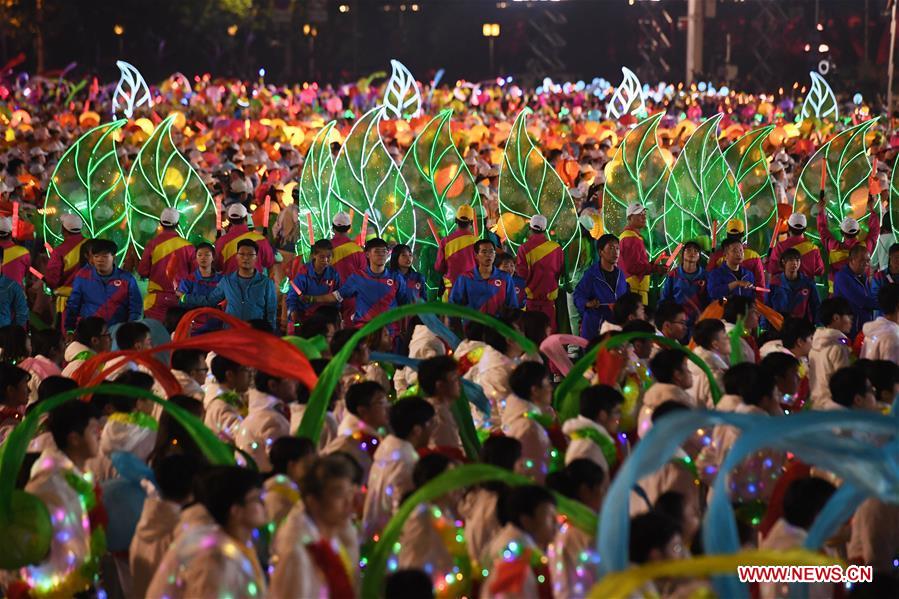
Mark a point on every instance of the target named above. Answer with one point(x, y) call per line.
point(457, 478)
point(314, 416)
point(564, 403)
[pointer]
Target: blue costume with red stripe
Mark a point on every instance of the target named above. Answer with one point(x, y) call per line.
point(309, 283)
point(488, 295)
point(520, 289)
point(882, 278)
point(856, 289)
point(690, 290)
point(798, 297)
point(374, 293)
point(415, 284)
point(196, 284)
point(115, 297)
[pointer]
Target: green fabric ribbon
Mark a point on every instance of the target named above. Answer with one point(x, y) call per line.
point(605, 443)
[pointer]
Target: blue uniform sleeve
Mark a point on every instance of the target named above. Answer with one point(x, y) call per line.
point(779, 298)
point(214, 297)
point(511, 296)
point(623, 287)
point(717, 285)
point(185, 286)
point(271, 304)
point(748, 291)
point(583, 292)
point(814, 301)
point(403, 291)
point(135, 301)
point(459, 293)
point(856, 294)
point(668, 288)
point(73, 304)
point(20, 305)
point(350, 288)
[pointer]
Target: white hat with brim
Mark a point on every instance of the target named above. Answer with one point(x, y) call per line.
point(849, 226)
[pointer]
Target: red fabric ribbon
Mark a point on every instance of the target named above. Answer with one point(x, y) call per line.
point(331, 567)
point(182, 331)
point(608, 366)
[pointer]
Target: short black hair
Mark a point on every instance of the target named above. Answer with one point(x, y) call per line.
point(44, 342)
point(480, 242)
point(650, 531)
point(858, 249)
point(496, 339)
point(599, 398)
point(705, 331)
point(429, 467)
point(501, 451)
point(186, 360)
point(375, 242)
point(54, 385)
point(638, 326)
point(71, 417)
point(322, 245)
point(795, 329)
point(668, 407)
point(10, 376)
point(503, 258)
point(605, 240)
point(433, 370)
point(883, 374)
point(248, 243)
point(625, 306)
point(729, 241)
point(124, 403)
point(894, 248)
point(262, 379)
point(175, 474)
point(222, 487)
point(360, 395)
point(847, 383)
point(526, 376)
point(314, 326)
point(737, 306)
point(205, 245)
point(666, 312)
point(834, 306)
point(516, 502)
point(327, 468)
point(748, 381)
point(103, 246)
point(289, 449)
point(221, 366)
point(665, 364)
point(779, 363)
point(804, 498)
point(693, 244)
point(88, 328)
point(410, 584)
point(130, 334)
point(576, 474)
point(790, 254)
point(407, 413)
point(888, 298)
point(341, 338)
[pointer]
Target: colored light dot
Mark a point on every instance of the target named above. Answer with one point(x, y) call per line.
point(396, 547)
point(485, 572)
point(251, 588)
point(513, 546)
point(541, 579)
point(459, 538)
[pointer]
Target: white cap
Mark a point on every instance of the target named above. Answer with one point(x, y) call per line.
point(341, 219)
point(797, 221)
point(71, 223)
point(849, 225)
point(237, 211)
point(538, 221)
point(169, 217)
point(635, 208)
point(6, 225)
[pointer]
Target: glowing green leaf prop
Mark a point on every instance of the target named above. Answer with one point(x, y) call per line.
point(529, 185)
point(438, 182)
point(702, 192)
point(628, 97)
point(363, 182)
point(401, 98)
point(88, 181)
point(894, 198)
point(314, 416)
point(821, 102)
point(748, 162)
point(456, 478)
point(846, 160)
point(565, 397)
point(314, 197)
point(23, 517)
point(736, 347)
point(162, 178)
point(637, 173)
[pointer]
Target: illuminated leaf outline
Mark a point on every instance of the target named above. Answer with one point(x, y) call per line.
point(102, 149)
point(705, 177)
point(361, 188)
point(315, 191)
point(624, 183)
point(851, 146)
point(397, 98)
point(739, 156)
point(516, 157)
point(154, 189)
point(816, 102)
point(626, 94)
point(131, 79)
point(894, 198)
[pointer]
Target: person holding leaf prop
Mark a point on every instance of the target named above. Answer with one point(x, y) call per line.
point(838, 251)
point(634, 258)
point(455, 252)
point(226, 246)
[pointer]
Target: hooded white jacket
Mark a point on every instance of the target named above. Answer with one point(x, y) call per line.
point(881, 340)
point(74, 349)
point(829, 353)
point(154, 533)
point(535, 442)
point(585, 448)
point(423, 345)
point(390, 478)
point(701, 389)
point(221, 417)
point(655, 396)
point(263, 425)
point(500, 543)
point(119, 435)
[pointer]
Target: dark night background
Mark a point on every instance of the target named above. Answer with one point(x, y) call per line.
point(580, 39)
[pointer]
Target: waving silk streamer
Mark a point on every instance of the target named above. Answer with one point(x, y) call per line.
point(182, 331)
point(553, 347)
point(109, 365)
point(23, 517)
point(621, 585)
point(441, 330)
point(564, 398)
point(812, 437)
point(314, 416)
point(463, 476)
point(244, 345)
